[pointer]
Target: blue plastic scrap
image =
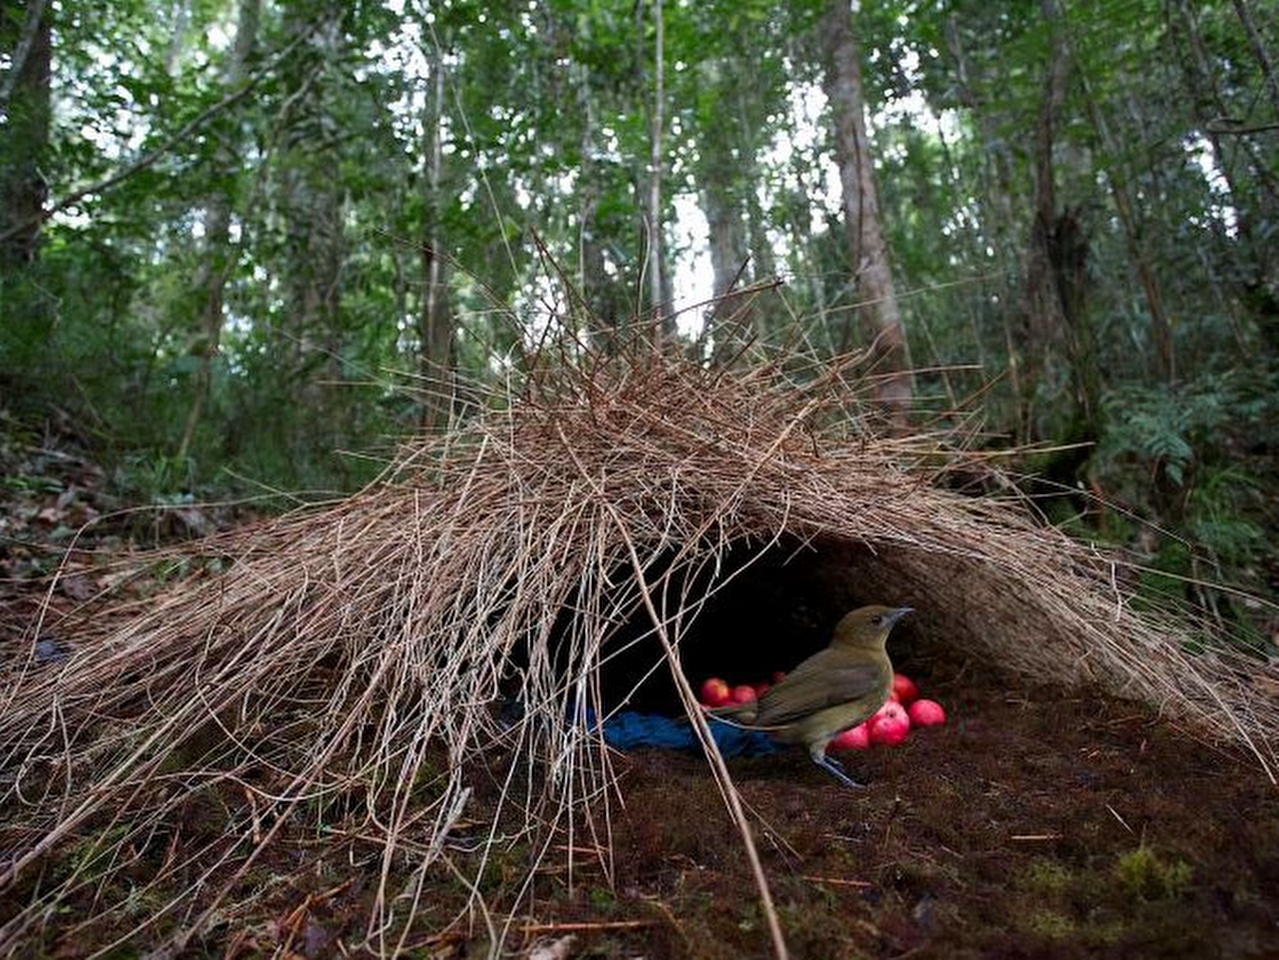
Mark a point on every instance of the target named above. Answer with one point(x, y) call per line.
point(629, 730)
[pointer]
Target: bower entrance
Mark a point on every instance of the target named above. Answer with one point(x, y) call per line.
point(762, 612)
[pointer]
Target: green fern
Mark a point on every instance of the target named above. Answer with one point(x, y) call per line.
point(1186, 439)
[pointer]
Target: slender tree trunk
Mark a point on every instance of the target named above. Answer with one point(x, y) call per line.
point(1259, 51)
point(994, 196)
point(719, 173)
point(1203, 95)
point(180, 14)
point(26, 36)
point(218, 257)
point(1254, 206)
point(655, 186)
point(436, 331)
point(668, 297)
point(878, 311)
point(312, 204)
point(603, 306)
point(726, 248)
point(1160, 328)
point(763, 264)
point(801, 240)
point(1054, 247)
point(726, 177)
point(728, 257)
point(590, 254)
point(1209, 95)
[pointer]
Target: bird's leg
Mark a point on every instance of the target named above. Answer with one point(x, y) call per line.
point(834, 768)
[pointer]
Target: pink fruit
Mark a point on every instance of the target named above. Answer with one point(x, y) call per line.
point(891, 710)
point(743, 693)
point(889, 732)
point(778, 676)
point(889, 725)
point(857, 738)
point(715, 692)
point(927, 713)
point(762, 688)
point(904, 688)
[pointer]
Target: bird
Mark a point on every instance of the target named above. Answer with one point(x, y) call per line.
point(830, 692)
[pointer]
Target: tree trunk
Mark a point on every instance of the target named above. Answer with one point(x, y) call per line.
point(763, 264)
point(436, 329)
point(180, 15)
point(880, 317)
point(1253, 207)
point(218, 257)
point(994, 198)
point(311, 201)
point(605, 310)
point(1160, 328)
point(25, 105)
point(1054, 240)
point(719, 173)
point(1259, 51)
point(655, 189)
point(591, 278)
point(1210, 96)
point(728, 257)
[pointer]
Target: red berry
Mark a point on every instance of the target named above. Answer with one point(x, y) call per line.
point(856, 738)
point(904, 688)
point(715, 692)
point(927, 713)
point(889, 725)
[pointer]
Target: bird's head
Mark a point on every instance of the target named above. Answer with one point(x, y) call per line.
point(868, 626)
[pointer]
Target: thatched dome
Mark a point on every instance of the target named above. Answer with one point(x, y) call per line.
point(563, 546)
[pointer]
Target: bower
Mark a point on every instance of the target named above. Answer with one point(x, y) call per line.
point(571, 543)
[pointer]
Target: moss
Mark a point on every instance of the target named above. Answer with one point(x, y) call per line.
point(1144, 875)
point(1047, 876)
point(1103, 928)
point(1049, 923)
point(601, 898)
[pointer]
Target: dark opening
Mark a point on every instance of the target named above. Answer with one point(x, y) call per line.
point(767, 617)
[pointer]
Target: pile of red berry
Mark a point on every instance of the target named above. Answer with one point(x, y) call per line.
point(889, 725)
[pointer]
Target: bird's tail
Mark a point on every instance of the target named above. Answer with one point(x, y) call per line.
point(741, 713)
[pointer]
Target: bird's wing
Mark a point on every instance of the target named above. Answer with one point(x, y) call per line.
point(825, 679)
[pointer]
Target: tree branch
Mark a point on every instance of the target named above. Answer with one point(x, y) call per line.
point(1235, 131)
point(148, 159)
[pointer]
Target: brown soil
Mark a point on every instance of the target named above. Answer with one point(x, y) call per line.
point(1028, 826)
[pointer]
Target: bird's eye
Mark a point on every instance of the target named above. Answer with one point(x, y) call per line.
point(877, 621)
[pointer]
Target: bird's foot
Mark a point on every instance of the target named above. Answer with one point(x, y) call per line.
point(836, 770)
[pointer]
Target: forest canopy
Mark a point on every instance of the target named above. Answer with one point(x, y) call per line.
point(248, 244)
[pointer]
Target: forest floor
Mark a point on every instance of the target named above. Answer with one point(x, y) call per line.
point(1033, 824)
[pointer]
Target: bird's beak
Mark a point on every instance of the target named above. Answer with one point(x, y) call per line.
point(898, 614)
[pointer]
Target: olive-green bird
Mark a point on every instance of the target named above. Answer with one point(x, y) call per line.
point(831, 691)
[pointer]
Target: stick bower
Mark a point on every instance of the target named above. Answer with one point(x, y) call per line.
point(423, 656)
